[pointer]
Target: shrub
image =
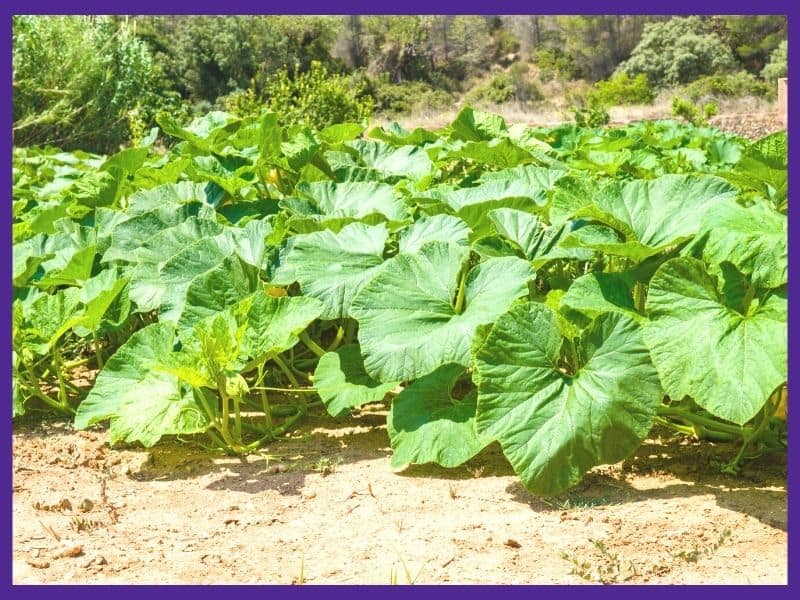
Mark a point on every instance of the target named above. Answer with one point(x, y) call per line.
point(554, 62)
point(499, 89)
point(677, 51)
point(409, 97)
point(591, 115)
point(242, 103)
point(776, 67)
point(209, 56)
point(317, 98)
point(512, 85)
point(696, 115)
point(726, 85)
point(620, 89)
point(82, 82)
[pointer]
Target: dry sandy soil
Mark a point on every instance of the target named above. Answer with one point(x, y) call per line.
point(323, 506)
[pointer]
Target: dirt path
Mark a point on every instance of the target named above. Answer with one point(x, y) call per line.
point(324, 507)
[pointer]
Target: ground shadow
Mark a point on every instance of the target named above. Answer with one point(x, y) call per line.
point(758, 491)
point(320, 445)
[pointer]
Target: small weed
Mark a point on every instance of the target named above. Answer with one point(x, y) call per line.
point(409, 580)
point(699, 552)
point(578, 501)
point(453, 491)
point(81, 524)
point(581, 568)
point(476, 472)
point(608, 568)
point(325, 466)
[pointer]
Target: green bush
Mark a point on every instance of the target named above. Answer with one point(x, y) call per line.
point(677, 51)
point(499, 89)
point(620, 89)
point(591, 115)
point(694, 114)
point(242, 103)
point(554, 62)
point(776, 67)
point(409, 97)
point(513, 85)
point(82, 82)
point(317, 98)
point(726, 85)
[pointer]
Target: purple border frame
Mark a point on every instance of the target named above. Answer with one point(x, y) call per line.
point(677, 7)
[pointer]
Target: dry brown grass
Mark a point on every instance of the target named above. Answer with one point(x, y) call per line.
point(553, 112)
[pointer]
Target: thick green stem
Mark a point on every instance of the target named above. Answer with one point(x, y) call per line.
point(62, 388)
point(219, 442)
point(97, 353)
point(462, 286)
point(36, 391)
point(706, 422)
point(766, 415)
point(224, 428)
point(266, 408)
point(639, 296)
point(685, 429)
point(349, 331)
point(237, 419)
point(288, 424)
point(337, 340)
point(286, 371)
point(264, 400)
point(72, 364)
point(311, 344)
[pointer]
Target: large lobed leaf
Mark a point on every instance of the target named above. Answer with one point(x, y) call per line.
point(143, 402)
point(707, 344)
point(554, 426)
point(408, 325)
point(333, 267)
point(428, 425)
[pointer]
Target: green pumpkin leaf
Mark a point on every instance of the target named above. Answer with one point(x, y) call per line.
point(755, 239)
point(653, 215)
point(444, 228)
point(595, 294)
point(408, 323)
point(428, 425)
point(333, 267)
point(707, 345)
point(273, 324)
point(343, 383)
point(142, 402)
point(554, 425)
point(217, 289)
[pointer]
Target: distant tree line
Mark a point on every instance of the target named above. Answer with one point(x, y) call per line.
point(95, 82)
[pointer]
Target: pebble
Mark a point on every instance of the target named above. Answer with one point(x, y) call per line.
point(38, 563)
point(68, 551)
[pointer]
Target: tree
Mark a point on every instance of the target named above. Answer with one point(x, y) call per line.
point(207, 57)
point(776, 67)
point(677, 51)
point(752, 38)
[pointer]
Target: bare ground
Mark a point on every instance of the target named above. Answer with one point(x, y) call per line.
point(752, 122)
point(324, 507)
